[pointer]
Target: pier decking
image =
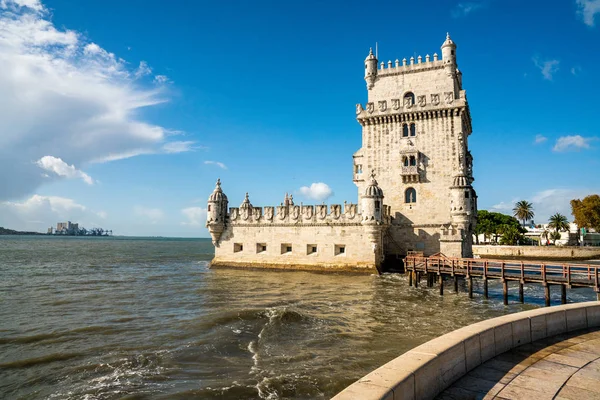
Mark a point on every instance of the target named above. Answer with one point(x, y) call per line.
point(438, 266)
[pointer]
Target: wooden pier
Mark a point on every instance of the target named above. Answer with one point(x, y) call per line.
point(438, 266)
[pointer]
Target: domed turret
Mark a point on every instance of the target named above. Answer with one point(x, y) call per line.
point(449, 55)
point(370, 69)
point(216, 212)
point(461, 198)
point(246, 203)
point(372, 202)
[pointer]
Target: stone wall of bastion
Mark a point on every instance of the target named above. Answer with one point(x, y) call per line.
point(261, 236)
point(541, 252)
point(425, 371)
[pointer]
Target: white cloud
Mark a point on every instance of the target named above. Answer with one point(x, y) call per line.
point(465, 8)
point(217, 163)
point(178, 147)
point(540, 139)
point(548, 67)
point(317, 191)
point(38, 213)
point(82, 101)
point(503, 207)
point(143, 70)
point(161, 79)
point(573, 142)
point(151, 214)
point(196, 216)
point(61, 168)
point(588, 10)
point(575, 70)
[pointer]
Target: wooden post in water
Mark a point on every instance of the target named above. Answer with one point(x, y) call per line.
point(563, 294)
point(441, 279)
point(485, 287)
point(505, 291)
point(417, 278)
point(470, 285)
point(547, 294)
point(410, 278)
point(455, 284)
point(521, 292)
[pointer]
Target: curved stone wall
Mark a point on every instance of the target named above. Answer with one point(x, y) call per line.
point(425, 371)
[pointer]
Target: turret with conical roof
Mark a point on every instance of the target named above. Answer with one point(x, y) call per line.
point(216, 213)
point(370, 69)
point(449, 55)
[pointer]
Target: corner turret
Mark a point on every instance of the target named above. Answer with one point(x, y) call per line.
point(372, 203)
point(449, 55)
point(216, 213)
point(370, 69)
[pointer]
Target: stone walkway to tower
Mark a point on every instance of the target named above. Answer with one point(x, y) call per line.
point(561, 367)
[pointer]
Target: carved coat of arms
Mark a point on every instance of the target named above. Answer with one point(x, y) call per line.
point(322, 211)
point(256, 213)
point(435, 99)
point(422, 100)
point(351, 211)
point(396, 104)
point(370, 108)
point(359, 108)
point(246, 213)
point(408, 103)
point(233, 215)
point(295, 212)
point(448, 97)
point(269, 211)
point(308, 212)
point(335, 211)
point(281, 212)
point(382, 105)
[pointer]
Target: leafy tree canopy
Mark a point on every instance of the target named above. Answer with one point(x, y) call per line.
point(587, 212)
point(523, 210)
point(494, 224)
point(558, 222)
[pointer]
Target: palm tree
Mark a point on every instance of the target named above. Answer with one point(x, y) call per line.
point(554, 236)
point(523, 210)
point(558, 222)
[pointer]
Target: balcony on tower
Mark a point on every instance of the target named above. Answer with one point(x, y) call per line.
point(410, 171)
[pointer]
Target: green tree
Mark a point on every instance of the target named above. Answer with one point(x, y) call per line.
point(554, 236)
point(587, 212)
point(523, 210)
point(511, 235)
point(558, 222)
point(493, 224)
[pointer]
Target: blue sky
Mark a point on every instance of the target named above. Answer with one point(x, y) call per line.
point(123, 114)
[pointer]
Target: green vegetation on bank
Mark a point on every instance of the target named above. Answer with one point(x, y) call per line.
point(5, 231)
point(502, 228)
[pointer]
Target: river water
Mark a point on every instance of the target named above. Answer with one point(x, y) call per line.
point(145, 318)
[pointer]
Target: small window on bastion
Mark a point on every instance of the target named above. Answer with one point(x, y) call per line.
point(311, 249)
point(286, 248)
point(404, 130)
point(237, 247)
point(410, 195)
point(261, 247)
point(413, 130)
point(340, 249)
point(209, 207)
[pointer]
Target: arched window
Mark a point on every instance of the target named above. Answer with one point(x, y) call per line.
point(404, 161)
point(413, 131)
point(413, 161)
point(410, 98)
point(404, 130)
point(410, 195)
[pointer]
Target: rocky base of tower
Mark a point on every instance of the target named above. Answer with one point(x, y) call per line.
point(364, 268)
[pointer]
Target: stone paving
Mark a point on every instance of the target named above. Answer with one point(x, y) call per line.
point(560, 367)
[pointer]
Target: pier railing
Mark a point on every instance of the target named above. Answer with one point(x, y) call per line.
point(567, 275)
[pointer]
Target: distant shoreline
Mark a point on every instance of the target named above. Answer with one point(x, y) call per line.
point(5, 231)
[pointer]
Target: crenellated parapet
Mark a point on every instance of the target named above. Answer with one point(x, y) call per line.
point(296, 215)
point(411, 65)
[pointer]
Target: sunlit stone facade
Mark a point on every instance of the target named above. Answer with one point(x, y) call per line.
point(414, 174)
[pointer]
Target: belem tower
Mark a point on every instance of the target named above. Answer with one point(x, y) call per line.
point(414, 174)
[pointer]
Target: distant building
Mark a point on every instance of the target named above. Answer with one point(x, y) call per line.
point(67, 228)
point(415, 129)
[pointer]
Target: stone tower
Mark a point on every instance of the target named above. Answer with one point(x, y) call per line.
point(216, 213)
point(415, 129)
point(372, 215)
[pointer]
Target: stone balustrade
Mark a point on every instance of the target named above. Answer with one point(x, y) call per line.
point(425, 371)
